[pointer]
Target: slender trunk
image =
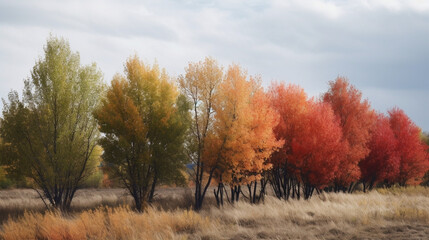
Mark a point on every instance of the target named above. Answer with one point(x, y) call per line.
point(235, 193)
point(352, 187)
point(371, 185)
point(254, 192)
point(219, 193)
point(152, 188)
point(139, 205)
point(298, 191)
point(262, 192)
point(249, 187)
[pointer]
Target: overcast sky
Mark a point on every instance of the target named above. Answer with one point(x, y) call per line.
point(382, 46)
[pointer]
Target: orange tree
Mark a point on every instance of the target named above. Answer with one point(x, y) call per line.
point(242, 137)
point(144, 121)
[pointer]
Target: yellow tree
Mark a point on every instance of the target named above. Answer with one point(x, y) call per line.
point(144, 121)
point(200, 85)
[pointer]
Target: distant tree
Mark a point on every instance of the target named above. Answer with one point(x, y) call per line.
point(356, 120)
point(382, 163)
point(425, 138)
point(94, 180)
point(200, 85)
point(144, 121)
point(414, 160)
point(5, 182)
point(50, 134)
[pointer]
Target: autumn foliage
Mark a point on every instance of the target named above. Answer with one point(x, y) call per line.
point(318, 148)
point(242, 138)
point(411, 150)
point(312, 148)
point(356, 120)
point(144, 120)
point(382, 163)
point(222, 124)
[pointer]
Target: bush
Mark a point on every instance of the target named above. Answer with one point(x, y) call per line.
point(94, 180)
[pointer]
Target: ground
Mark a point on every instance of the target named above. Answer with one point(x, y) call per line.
point(382, 214)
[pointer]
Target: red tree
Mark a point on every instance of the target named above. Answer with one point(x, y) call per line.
point(317, 149)
point(290, 102)
point(382, 163)
point(312, 143)
point(356, 120)
point(412, 151)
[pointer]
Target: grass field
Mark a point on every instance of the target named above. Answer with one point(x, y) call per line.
point(383, 214)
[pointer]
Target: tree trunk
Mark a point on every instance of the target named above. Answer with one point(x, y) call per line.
point(235, 193)
point(152, 189)
point(219, 194)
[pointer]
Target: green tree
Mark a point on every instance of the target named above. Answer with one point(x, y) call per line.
point(50, 134)
point(144, 120)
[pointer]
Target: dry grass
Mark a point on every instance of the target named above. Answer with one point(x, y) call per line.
point(15, 202)
point(105, 223)
point(329, 216)
point(389, 214)
point(409, 191)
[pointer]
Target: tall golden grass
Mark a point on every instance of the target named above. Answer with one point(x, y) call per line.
point(370, 215)
point(105, 223)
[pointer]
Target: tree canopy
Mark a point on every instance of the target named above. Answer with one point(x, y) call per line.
point(146, 127)
point(50, 133)
point(144, 121)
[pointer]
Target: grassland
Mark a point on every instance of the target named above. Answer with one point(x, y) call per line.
point(382, 214)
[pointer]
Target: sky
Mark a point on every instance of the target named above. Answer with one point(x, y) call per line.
point(381, 46)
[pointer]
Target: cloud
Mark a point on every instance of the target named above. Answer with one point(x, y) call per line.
point(380, 45)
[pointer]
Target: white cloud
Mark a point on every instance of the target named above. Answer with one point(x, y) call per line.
point(397, 5)
point(380, 45)
point(328, 9)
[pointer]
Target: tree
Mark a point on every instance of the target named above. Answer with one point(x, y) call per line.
point(312, 143)
point(382, 163)
point(356, 120)
point(200, 85)
point(144, 121)
point(425, 138)
point(264, 141)
point(242, 138)
point(414, 161)
point(50, 134)
point(316, 151)
point(291, 103)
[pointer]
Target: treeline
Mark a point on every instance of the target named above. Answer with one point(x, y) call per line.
point(221, 123)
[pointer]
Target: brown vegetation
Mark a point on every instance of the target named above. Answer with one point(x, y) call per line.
point(391, 214)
